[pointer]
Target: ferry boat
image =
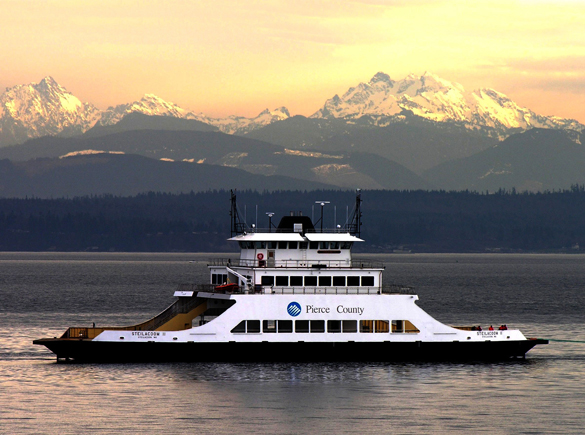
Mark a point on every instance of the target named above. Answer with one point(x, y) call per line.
point(294, 294)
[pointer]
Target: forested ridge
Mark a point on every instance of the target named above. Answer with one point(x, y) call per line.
point(420, 221)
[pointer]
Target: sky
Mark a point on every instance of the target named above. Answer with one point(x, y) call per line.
point(239, 57)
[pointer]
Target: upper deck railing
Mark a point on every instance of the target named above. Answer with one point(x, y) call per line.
point(288, 290)
point(305, 231)
point(297, 264)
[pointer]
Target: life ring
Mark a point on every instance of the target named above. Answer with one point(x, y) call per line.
point(260, 256)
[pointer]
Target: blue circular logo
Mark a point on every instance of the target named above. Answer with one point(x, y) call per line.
point(294, 309)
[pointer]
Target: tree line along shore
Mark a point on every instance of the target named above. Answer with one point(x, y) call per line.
point(393, 221)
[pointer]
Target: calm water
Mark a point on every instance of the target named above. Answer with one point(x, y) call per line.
point(42, 294)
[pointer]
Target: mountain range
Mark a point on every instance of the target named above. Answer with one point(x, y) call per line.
point(382, 101)
point(415, 133)
point(47, 108)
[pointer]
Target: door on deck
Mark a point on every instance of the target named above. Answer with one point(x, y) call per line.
point(271, 259)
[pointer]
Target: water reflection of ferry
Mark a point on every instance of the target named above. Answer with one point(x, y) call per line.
point(294, 294)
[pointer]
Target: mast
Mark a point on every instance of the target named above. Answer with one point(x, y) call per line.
point(354, 227)
point(236, 226)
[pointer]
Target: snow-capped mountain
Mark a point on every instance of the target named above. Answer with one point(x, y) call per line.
point(152, 105)
point(48, 109)
point(149, 105)
point(384, 100)
point(240, 125)
point(42, 109)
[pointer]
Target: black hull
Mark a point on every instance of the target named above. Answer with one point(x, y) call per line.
point(97, 351)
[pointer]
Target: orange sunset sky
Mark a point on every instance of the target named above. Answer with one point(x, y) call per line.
point(239, 57)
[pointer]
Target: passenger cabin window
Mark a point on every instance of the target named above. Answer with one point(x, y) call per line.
point(218, 278)
point(303, 245)
point(285, 326)
point(404, 326)
point(240, 328)
point(282, 281)
point(339, 281)
point(310, 281)
point(296, 281)
point(317, 326)
point(346, 245)
point(269, 326)
point(247, 326)
point(353, 281)
point(260, 245)
point(368, 281)
point(378, 326)
point(267, 280)
point(253, 326)
point(281, 245)
point(349, 325)
point(292, 245)
point(301, 326)
point(325, 281)
point(333, 326)
point(313, 245)
point(272, 245)
point(381, 326)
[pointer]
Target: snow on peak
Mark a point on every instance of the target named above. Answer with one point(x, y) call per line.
point(149, 104)
point(432, 97)
point(41, 109)
point(241, 125)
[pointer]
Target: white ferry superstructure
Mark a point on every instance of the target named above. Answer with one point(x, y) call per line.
point(294, 294)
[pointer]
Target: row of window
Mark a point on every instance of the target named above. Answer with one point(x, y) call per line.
point(318, 326)
point(218, 278)
point(314, 281)
point(295, 245)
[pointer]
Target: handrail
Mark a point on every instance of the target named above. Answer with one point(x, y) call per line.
point(343, 230)
point(319, 290)
point(297, 264)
